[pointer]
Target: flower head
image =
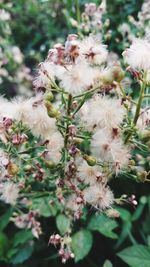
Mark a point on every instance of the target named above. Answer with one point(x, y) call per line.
point(138, 55)
point(93, 50)
point(9, 192)
point(100, 197)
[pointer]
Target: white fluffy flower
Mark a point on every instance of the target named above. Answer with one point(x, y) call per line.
point(138, 55)
point(9, 192)
point(4, 15)
point(46, 75)
point(54, 147)
point(4, 160)
point(101, 197)
point(17, 55)
point(7, 109)
point(33, 113)
point(77, 78)
point(93, 50)
point(144, 119)
point(71, 203)
point(109, 149)
point(102, 112)
point(90, 174)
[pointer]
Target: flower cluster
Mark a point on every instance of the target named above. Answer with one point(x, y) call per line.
point(93, 21)
point(78, 132)
point(13, 71)
point(137, 27)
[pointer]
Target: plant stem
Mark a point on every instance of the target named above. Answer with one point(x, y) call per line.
point(79, 106)
point(78, 11)
point(68, 114)
point(87, 92)
point(138, 107)
point(147, 95)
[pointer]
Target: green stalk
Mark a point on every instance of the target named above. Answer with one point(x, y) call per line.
point(87, 92)
point(79, 106)
point(78, 11)
point(68, 115)
point(138, 107)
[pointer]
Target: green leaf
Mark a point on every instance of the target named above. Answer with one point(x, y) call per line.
point(81, 244)
point(125, 215)
point(63, 223)
point(107, 263)
point(136, 256)
point(125, 232)
point(138, 212)
point(11, 252)
point(23, 254)
point(3, 245)
point(4, 219)
point(104, 225)
point(22, 237)
point(42, 206)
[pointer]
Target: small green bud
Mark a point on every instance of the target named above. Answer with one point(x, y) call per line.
point(49, 164)
point(52, 112)
point(27, 167)
point(145, 136)
point(49, 96)
point(91, 161)
point(118, 73)
point(77, 140)
point(107, 77)
point(131, 162)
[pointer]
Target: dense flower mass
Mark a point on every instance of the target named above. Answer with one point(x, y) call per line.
point(74, 136)
point(138, 55)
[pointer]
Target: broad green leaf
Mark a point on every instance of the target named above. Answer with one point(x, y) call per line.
point(81, 244)
point(137, 212)
point(22, 254)
point(63, 223)
point(136, 256)
point(4, 219)
point(107, 263)
point(125, 231)
point(21, 237)
point(3, 245)
point(12, 251)
point(125, 215)
point(148, 241)
point(104, 225)
point(42, 206)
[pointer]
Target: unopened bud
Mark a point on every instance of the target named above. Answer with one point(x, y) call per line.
point(112, 213)
point(49, 96)
point(107, 77)
point(67, 239)
point(12, 168)
point(79, 200)
point(142, 176)
point(90, 160)
point(131, 163)
point(52, 112)
point(72, 255)
point(77, 140)
point(145, 136)
point(27, 167)
point(118, 73)
point(49, 164)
